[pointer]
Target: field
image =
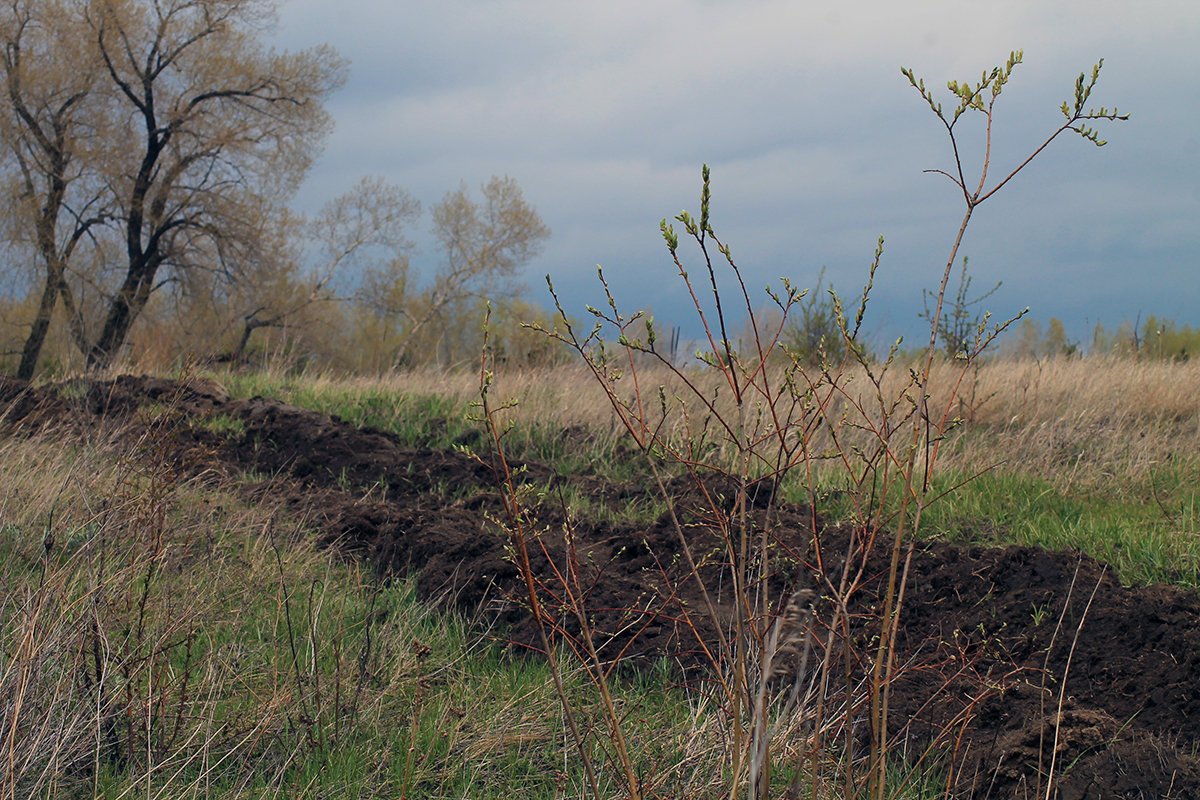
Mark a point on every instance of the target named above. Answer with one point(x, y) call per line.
point(267, 584)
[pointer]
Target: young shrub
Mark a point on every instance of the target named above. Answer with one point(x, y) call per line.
point(800, 679)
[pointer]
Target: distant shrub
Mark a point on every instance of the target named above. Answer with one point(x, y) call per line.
point(1032, 341)
point(814, 330)
point(1156, 338)
point(962, 322)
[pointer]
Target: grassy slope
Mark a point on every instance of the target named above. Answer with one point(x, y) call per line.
point(239, 662)
point(267, 669)
point(1095, 455)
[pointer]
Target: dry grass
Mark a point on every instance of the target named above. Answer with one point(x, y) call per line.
point(1090, 422)
point(160, 637)
point(121, 583)
point(1096, 423)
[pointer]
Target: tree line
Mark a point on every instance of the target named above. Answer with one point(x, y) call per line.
point(150, 152)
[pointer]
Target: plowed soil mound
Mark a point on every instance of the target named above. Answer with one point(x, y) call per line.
point(1029, 657)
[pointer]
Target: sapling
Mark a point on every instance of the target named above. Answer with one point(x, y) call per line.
point(776, 426)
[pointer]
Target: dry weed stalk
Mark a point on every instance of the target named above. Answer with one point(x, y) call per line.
point(516, 523)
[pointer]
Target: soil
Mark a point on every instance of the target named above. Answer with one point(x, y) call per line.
point(1025, 657)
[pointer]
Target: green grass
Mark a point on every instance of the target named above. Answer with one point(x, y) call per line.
point(465, 718)
point(223, 424)
point(419, 420)
point(1148, 534)
point(306, 675)
point(645, 509)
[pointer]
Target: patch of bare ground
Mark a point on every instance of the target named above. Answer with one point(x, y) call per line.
point(1039, 660)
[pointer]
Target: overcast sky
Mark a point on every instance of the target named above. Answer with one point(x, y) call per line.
point(604, 113)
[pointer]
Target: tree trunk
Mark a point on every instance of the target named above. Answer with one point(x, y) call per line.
point(116, 328)
point(250, 326)
point(37, 334)
point(123, 311)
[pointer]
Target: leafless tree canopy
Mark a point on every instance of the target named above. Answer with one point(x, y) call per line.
point(147, 142)
point(149, 152)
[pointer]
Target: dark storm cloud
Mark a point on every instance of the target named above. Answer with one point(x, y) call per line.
point(604, 113)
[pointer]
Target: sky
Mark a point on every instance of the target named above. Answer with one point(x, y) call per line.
point(605, 112)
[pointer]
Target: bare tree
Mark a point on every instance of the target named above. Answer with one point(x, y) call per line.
point(161, 127)
point(485, 244)
point(49, 123)
point(220, 126)
point(356, 231)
